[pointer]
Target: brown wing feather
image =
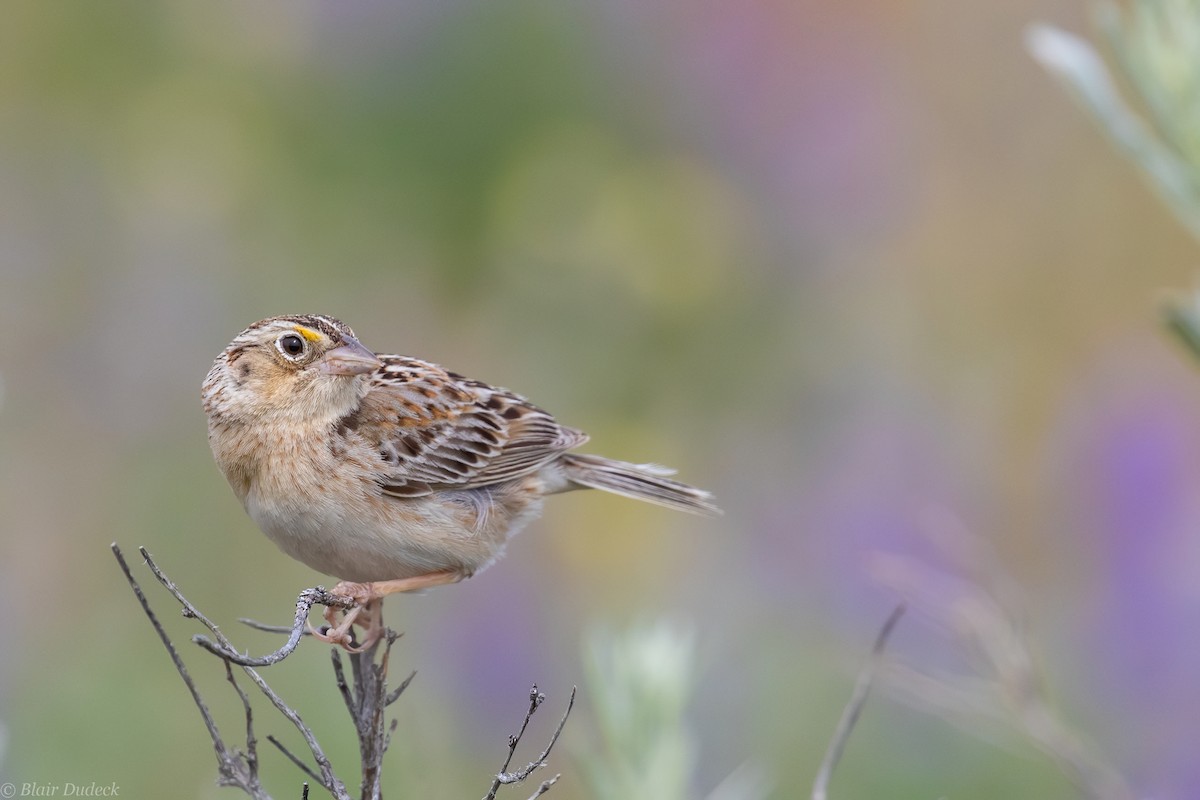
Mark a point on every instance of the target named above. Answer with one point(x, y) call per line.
point(434, 429)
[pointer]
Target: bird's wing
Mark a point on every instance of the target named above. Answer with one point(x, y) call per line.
point(433, 429)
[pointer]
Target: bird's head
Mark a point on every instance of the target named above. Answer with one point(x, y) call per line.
point(298, 368)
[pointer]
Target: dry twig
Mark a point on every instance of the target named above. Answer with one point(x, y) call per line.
point(366, 697)
point(504, 777)
point(235, 768)
point(978, 610)
point(862, 688)
point(304, 603)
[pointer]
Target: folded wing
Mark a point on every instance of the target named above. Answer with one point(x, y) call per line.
point(435, 430)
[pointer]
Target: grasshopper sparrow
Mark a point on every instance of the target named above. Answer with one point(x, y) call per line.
point(387, 472)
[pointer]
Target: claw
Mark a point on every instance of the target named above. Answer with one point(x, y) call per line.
point(337, 632)
point(343, 640)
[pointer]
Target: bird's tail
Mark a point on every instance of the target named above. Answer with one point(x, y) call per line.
point(647, 482)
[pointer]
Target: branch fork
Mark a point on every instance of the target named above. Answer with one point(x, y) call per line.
point(366, 696)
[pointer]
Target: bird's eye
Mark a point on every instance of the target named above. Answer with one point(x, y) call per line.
point(290, 345)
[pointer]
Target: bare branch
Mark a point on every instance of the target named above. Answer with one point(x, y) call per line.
point(251, 741)
point(232, 769)
point(545, 787)
point(329, 780)
point(307, 770)
point(162, 635)
point(365, 694)
point(265, 628)
point(536, 698)
point(387, 739)
point(399, 690)
point(366, 701)
point(304, 603)
point(339, 678)
point(858, 699)
point(504, 777)
point(541, 760)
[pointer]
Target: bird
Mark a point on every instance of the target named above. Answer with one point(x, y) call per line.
point(387, 472)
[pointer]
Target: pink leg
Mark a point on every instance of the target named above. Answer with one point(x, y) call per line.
point(369, 612)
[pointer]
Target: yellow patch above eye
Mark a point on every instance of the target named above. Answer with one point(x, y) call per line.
point(311, 335)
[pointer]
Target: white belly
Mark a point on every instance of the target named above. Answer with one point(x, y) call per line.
point(337, 521)
point(349, 539)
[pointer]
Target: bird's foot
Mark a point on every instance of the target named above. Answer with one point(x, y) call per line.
point(367, 612)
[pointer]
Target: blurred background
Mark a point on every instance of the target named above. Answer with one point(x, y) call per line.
point(861, 269)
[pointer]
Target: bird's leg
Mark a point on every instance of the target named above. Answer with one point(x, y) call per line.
point(368, 611)
point(363, 593)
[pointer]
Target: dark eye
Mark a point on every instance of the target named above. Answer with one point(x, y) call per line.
point(291, 345)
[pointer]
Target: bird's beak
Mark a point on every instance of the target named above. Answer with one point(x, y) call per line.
point(350, 359)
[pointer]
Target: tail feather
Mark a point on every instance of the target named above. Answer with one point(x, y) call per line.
point(640, 481)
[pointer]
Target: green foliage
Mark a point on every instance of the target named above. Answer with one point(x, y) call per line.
point(641, 683)
point(1168, 147)
point(1157, 48)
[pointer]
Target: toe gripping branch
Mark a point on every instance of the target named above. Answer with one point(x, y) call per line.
point(222, 647)
point(318, 595)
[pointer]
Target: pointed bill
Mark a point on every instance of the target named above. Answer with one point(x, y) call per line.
point(352, 358)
